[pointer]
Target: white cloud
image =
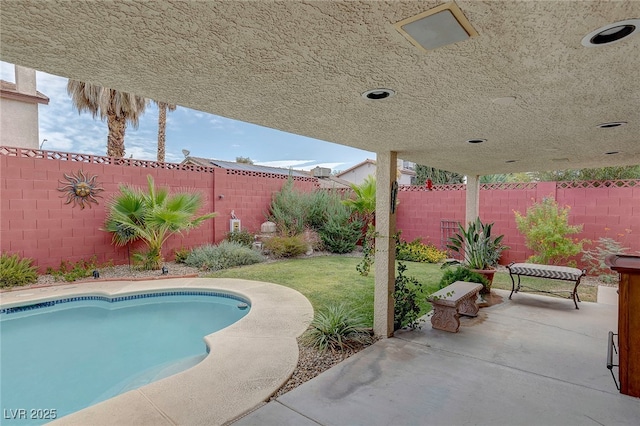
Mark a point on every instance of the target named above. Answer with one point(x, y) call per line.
point(285, 164)
point(331, 166)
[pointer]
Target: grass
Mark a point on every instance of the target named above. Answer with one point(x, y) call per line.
point(327, 280)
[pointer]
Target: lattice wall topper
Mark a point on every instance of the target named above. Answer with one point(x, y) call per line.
point(463, 187)
point(269, 175)
point(507, 186)
point(625, 183)
point(97, 159)
point(423, 188)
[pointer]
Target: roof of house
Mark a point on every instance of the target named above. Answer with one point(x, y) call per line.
point(373, 162)
point(8, 90)
point(333, 182)
point(232, 165)
point(350, 169)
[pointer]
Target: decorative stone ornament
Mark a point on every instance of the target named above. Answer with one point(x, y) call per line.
point(80, 189)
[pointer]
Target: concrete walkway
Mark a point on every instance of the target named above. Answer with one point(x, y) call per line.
point(534, 360)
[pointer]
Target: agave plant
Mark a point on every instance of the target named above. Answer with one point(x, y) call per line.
point(481, 251)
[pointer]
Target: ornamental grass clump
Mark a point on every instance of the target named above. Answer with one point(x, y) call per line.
point(279, 247)
point(337, 328)
point(227, 254)
point(15, 271)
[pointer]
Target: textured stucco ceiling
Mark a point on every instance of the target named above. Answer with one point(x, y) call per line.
point(301, 67)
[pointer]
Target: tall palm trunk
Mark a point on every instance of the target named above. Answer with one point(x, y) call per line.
point(115, 139)
point(162, 130)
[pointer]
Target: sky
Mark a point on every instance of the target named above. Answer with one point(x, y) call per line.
point(204, 135)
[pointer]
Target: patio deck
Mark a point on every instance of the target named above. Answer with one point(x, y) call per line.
point(534, 360)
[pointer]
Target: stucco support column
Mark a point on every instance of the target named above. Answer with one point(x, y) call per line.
point(385, 256)
point(473, 199)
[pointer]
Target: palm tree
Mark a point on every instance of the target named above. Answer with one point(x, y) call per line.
point(152, 216)
point(364, 203)
point(118, 108)
point(162, 127)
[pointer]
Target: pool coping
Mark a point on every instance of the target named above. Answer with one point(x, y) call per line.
point(247, 363)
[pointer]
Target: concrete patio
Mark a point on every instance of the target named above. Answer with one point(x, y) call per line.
point(534, 360)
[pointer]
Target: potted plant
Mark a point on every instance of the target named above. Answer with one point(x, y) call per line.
point(480, 250)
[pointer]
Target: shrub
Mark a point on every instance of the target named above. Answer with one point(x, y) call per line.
point(339, 232)
point(340, 235)
point(594, 258)
point(15, 271)
point(243, 237)
point(181, 254)
point(289, 210)
point(224, 255)
point(69, 271)
point(546, 229)
point(286, 246)
point(416, 251)
point(151, 215)
point(337, 328)
point(462, 274)
point(368, 251)
point(294, 211)
point(408, 291)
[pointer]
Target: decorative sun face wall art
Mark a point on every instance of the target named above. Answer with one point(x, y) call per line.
point(80, 189)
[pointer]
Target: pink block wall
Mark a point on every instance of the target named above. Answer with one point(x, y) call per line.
point(35, 222)
point(604, 212)
point(248, 195)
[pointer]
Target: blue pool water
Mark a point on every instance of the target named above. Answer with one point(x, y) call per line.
point(71, 355)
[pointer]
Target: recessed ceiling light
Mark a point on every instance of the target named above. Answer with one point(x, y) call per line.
point(611, 33)
point(437, 27)
point(377, 94)
point(476, 140)
point(611, 124)
point(612, 153)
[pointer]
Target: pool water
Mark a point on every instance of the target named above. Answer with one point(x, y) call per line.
point(72, 355)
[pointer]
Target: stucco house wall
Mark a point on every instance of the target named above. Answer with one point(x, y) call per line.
point(19, 110)
point(358, 173)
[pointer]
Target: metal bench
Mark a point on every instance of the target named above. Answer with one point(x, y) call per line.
point(552, 272)
point(452, 301)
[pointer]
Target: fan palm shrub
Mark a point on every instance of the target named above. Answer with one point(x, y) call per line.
point(364, 201)
point(152, 216)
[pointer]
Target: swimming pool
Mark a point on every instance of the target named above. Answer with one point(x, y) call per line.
point(70, 353)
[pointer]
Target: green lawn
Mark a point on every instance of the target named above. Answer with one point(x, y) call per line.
point(333, 279)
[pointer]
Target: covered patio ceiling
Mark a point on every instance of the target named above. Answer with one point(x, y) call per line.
point(525, 83)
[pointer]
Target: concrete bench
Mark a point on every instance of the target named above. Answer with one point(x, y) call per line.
point(551, 272)
point(452, 301)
